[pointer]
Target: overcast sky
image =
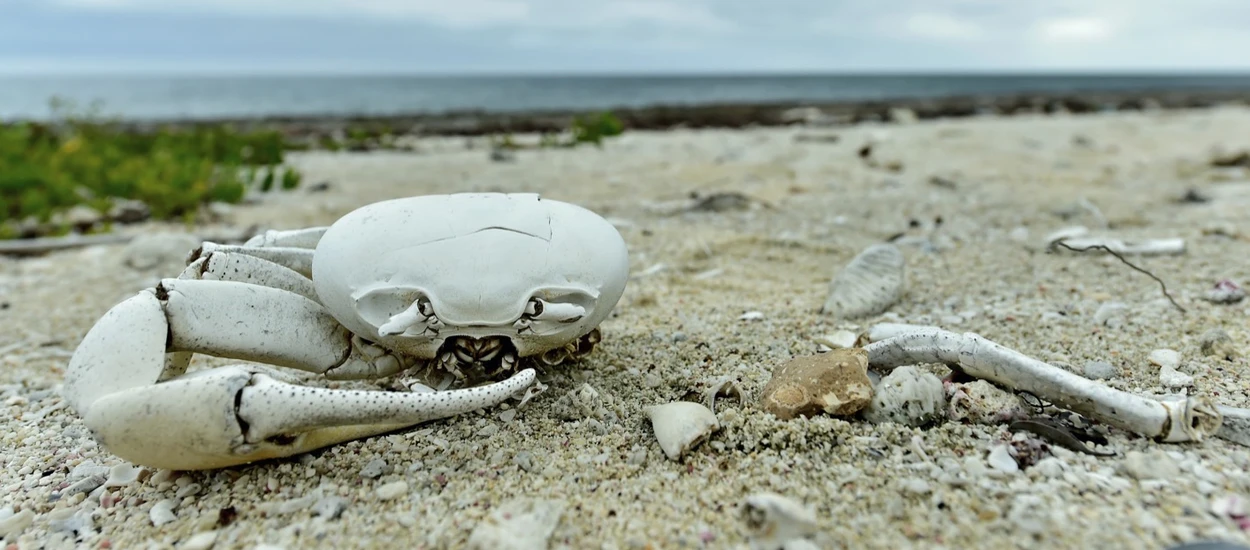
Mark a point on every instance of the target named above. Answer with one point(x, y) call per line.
point(527, 36)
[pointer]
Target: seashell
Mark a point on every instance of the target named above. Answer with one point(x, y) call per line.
point(725, 386)
point(840, 339)
point(123, 474)
point(773, 520)
point(681, 426)
point(908, 396)
point(870, 284)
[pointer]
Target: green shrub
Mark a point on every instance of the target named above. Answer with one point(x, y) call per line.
point(76, 159)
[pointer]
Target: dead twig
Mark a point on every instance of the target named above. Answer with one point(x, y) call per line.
point(1108, 250)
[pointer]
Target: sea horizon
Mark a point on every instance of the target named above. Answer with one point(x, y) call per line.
point(211, 95)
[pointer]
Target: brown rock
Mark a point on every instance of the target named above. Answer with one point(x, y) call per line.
point(833, 383)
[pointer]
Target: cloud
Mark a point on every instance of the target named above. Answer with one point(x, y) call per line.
point(1075, 29)
point(627, 35)
point(941, 26)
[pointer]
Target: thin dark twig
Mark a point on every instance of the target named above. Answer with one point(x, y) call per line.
point(1126, 262)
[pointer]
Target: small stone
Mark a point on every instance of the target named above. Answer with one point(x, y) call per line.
point(1100, 370)
point(1217, 343)
point(522, 524)
point(200, 541)
point(524, 460)
point(124, 474)
point(1225, 292)
point(916, 486)
point(1168, 360)
point(163, 512)
point(833, 383)
point(1156, 464)
point(13, 523)
point(1000, 459)
point(1165, 358)
point(330, 507)
point(908, 396)
point(374, 469)
point(129, 211)
point(392, 490)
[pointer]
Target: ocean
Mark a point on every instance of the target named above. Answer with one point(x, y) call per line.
point(194, 97)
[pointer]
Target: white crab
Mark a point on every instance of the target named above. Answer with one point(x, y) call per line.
point(468, 284)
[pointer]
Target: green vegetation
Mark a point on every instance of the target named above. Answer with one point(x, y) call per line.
point(84, 159)
point(586, 129)
point(50, 172)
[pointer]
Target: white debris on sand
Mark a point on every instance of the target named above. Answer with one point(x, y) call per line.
point(869, 485)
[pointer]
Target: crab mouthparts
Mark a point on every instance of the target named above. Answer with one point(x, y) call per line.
point(492, 354)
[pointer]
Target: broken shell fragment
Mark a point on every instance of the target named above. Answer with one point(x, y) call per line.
point(681, 426)
point(773, 520)
point(833, 383)
point(869, 285)
point(908, 396)
point(841, 339)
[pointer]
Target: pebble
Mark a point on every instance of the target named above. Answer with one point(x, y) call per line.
point(200, 541)
point(1168, 360)
point(1154, 464)
point(1100, 370)
point(330, 507)
point(1217, 343)
point(1225, 292)
point(521, 524)
point(1000, 459)
point(908, 396)
point(123, 474)
point(834, 383)
point(392, 490)
point(871, 283)
point(374, 469)
point(681, 426)
point(916, 486)
point(163, 512)
point(13, 523)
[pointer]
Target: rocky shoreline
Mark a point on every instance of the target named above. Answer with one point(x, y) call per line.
point(731, 115)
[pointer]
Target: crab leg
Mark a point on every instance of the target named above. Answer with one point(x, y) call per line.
point(1191, 419)
point(118, 379)
point(289, 238)
point(298, 259)
point(243, 268)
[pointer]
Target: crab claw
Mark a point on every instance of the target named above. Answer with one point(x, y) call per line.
point(234, 415)
point(141, 406)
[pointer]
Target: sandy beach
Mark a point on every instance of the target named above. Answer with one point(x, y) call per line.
point(968, 202)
